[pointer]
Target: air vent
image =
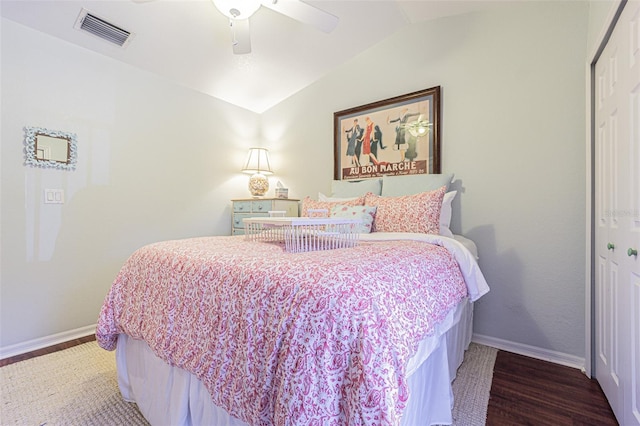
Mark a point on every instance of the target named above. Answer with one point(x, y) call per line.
point(99, 27)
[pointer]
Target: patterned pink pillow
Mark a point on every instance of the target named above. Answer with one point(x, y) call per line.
point(409, 213)
point(308, 203)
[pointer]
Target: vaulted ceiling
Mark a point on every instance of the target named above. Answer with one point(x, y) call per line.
point(190, 41)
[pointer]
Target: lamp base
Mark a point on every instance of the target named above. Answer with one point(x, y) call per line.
point(258, 185)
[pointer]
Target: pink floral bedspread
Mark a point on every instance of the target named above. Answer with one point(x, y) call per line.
point(278, 338)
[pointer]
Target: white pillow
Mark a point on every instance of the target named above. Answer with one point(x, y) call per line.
point(445, 214)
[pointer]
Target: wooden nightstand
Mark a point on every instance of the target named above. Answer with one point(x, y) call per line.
point(255, 207)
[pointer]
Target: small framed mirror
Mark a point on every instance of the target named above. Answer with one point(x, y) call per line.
point(50, 148)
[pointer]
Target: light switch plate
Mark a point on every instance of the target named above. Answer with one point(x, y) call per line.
point(54, 196)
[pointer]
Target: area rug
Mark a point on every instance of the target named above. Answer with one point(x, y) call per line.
point(472, 386)
point(78, 386)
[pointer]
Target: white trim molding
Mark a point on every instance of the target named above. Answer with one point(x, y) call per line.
point(531, 351)
point(44, 342)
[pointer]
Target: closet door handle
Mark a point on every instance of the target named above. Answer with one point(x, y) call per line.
point(632, 252)
point(610, 246)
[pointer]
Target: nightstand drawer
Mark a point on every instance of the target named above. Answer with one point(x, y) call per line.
point(237, 218)
point(261, 206)
point(242, 206)
point(250, 207)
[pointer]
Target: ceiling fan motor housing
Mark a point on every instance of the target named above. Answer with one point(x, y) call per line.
point(235, 9)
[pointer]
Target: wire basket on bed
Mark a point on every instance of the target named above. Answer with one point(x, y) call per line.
point(301, 234)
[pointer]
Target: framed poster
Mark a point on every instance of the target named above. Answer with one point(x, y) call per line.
point(397, 136)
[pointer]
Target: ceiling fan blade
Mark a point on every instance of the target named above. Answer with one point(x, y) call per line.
point(305, 13)
point(240, 36)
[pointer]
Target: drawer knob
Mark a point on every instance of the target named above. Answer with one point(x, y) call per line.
point(632, 252)
point(610, 246)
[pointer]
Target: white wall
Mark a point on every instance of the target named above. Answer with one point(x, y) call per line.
point(600, 11)
point(155, 162)
point(513, 87)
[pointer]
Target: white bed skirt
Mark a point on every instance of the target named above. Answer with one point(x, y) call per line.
point(168, 395)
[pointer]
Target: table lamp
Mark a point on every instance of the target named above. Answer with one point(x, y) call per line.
point(258, 166)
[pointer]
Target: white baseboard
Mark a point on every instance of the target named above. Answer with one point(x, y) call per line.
point(43, 342)
point(531, 351)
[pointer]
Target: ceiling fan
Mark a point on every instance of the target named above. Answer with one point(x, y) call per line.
point(239, 11)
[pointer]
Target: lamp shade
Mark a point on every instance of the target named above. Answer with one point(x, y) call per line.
point(257, 162)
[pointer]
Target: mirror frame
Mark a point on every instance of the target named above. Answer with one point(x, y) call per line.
point(31, 142)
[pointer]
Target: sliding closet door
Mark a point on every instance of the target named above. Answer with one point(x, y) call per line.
point(617, 216)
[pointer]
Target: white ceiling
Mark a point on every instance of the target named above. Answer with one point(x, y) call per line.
point(189, 41)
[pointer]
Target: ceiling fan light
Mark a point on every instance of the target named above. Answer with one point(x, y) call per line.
point(237, 9)
point(418, 128)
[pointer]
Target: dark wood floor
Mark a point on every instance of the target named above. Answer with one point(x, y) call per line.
point(527, 391)
point(524, 391)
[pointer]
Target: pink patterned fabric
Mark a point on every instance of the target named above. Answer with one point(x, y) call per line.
point(408, 213)
point(278, 338)
point(365, 213)
point(308, 203)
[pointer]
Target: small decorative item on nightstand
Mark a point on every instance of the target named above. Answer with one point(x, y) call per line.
point(281, 191)
point(251, 207)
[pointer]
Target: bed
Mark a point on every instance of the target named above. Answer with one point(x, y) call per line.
point(227, 331)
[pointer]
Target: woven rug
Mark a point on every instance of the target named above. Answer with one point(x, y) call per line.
point(78, 386)
point(472, 386)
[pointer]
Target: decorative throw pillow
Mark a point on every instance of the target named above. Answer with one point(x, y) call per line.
point(364, 213)
point(408, 213)
point(308, 203)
